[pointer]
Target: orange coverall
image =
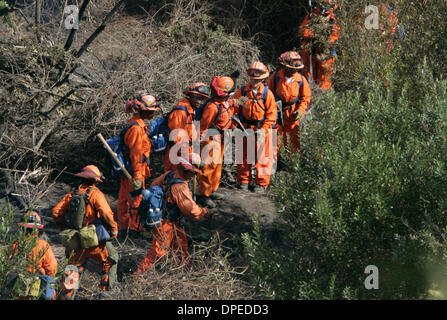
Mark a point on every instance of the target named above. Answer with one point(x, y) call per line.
point(99, 253)
point(322, 70)
point(179, 119)
point(265, 115)
point(288, 92)
point(139, 144)
point(40, 259)
point(209, 180)
point(169, 235)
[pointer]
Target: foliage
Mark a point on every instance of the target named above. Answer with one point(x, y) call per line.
point(15, 247)
point(368, 190)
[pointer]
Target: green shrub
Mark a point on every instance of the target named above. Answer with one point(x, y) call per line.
point(368, 190)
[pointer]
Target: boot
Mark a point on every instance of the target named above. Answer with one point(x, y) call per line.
point(217, 196)
point(258, 189)
point(243, 186)
point(206, 202)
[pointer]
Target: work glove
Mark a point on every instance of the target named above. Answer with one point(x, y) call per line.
point(137, 184)
point(241, 101)
point(298, 115)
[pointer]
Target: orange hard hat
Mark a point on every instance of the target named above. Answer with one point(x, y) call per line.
point(31, 219)
point(191, 162)
point(90, 172)
point(221, 86)
point(291, 59)
point(199, 89)
point(257, 70)
point(147, 102)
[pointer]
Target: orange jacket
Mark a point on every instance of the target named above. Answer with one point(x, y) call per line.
point(179, 119)
point(210, 113)
point(101, 210)
point(41, 257)
point(256, 108)
point(306, 34)
point(288, 92)
point(181, 197)
point(139, 144)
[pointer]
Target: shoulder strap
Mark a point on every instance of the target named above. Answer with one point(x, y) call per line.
point(87, 195)
point(219, 110)
point(123, 132)
point(179, 107)
point(264, 93)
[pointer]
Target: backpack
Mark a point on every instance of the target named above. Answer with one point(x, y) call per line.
point(154, 204)
point(280, 114)
point(121, 150)
point(75, 215)
point(241, 114)
point(159, 131)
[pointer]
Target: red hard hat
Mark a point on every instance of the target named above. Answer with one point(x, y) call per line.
point(90, 172)
point(257, 70)
point(31, 220)
point(199, 89)
point(191, 163)
point(222, 86)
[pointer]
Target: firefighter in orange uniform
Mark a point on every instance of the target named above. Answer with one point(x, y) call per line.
point(136, 138)
point(322, 70)
point(182, 117)
point(215, 119)
point(97, 210)
point(41, 259)
point(292, 91)
point(170, 235)
point(258, 114)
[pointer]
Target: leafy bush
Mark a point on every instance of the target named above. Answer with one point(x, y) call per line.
point(368, 190)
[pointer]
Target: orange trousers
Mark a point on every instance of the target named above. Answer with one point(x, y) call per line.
point(209, 180)
point(125, 218)
point(264, 159)
point(99, 254)
point(168, 236)
point(322, 70)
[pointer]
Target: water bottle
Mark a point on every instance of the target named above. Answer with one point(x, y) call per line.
point(158, 215)
point(150, 217)
point(159, 145)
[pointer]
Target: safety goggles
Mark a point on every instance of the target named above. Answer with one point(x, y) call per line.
point(255, 72)
point(202, 89)
point(294, 62)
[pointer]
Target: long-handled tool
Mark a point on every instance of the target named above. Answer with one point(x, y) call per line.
point(106, 145)
point(194, 187)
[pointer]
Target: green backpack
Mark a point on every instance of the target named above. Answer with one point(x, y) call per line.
point(75, 215)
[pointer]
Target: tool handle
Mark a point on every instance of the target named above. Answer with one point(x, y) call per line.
point(104, 142)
